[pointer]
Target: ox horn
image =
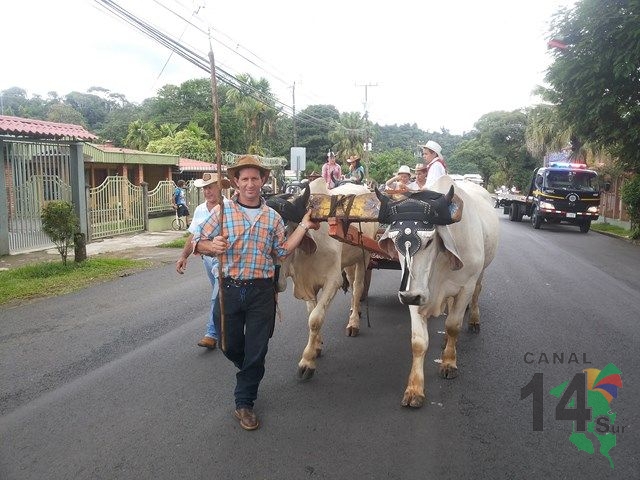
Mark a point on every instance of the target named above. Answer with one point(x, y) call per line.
point(449, 195)
point(383, 212)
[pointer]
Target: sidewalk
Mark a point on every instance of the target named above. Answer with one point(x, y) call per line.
point(142, 246)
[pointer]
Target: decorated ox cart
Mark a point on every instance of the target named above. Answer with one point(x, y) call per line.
point(441, 252)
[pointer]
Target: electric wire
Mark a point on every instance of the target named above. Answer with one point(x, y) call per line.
point(201, 62)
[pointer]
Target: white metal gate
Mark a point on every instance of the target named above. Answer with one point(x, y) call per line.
point(35, 174)
point(115, 207)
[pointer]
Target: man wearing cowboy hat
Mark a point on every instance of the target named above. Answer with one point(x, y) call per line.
point(356, 171)
point(250, 236)
point(434, 161)
point(421, 178)
point(211, 190)
point(400, 180)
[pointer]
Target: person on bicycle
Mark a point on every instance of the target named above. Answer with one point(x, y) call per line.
point(179, 201)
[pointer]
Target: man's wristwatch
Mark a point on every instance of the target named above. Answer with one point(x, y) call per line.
point(304, 225)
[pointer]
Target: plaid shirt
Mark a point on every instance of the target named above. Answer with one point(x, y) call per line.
point(252, 245)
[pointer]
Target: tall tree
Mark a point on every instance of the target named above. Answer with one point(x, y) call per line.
point(254, 104)
point(313, 125)
point(503, 134)
point(348, 135)
point(595, 76)
point(139, 134)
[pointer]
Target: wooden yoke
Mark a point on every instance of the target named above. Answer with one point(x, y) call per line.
point(342, 231)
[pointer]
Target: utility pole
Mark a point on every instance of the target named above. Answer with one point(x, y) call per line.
point(295, 138)
point(367, 139)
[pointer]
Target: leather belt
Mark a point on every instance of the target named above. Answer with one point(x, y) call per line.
point(251, 282)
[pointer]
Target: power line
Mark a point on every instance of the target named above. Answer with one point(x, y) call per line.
point(201, 61)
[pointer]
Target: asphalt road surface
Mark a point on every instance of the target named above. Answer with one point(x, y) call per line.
point(108, 383)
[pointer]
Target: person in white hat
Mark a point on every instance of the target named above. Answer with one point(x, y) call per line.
point(434, 162)
point(400, 181)
point(211, 190)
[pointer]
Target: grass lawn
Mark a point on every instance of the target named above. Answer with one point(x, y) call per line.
point(614, 229)
point(53, 278)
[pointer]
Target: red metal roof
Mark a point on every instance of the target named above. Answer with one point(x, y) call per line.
point(29, 127)
point(189, 165)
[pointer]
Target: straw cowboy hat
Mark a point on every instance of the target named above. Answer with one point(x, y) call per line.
point(353, 158)
point(208, 178)
point(247, 161)
point(434, 146)
point(419, 167)
point(404, 169)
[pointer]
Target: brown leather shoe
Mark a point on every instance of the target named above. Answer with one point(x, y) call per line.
point(208, 342)
point(248, 419)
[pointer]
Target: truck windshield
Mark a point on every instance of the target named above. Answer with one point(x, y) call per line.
point(572, 180)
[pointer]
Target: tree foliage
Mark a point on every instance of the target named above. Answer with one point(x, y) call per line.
point(59, 223)
point(631, 196)
point(501, 139)
point(192, 142)
point(596, 79)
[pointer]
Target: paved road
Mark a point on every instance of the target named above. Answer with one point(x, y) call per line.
point(108, 383)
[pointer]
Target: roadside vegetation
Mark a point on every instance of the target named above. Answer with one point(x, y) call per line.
point(613, 229)
point(46, 279)
point(177, 243)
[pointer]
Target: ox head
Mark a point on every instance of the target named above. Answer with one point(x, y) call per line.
point(291, 208)
point(427, 206)
point(414, 222)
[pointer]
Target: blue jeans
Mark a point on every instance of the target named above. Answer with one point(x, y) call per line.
point(209, 263)
point(249, 321)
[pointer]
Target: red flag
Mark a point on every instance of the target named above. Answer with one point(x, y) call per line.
point(555, 43)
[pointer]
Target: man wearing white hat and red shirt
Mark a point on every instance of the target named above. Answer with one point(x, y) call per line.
point(434, 162)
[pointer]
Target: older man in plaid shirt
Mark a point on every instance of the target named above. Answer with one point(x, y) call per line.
point(252, 235)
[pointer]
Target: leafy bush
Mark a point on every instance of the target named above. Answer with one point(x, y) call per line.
point(630, 194)
point(59, 223)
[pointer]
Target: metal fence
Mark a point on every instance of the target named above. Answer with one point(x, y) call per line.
point(160, 197)
point(115, 207)
point(36, 173)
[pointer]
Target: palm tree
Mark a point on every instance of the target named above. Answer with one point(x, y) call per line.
point(546, 132)
point(139, 135)
point(348, 134)
point(254, 103)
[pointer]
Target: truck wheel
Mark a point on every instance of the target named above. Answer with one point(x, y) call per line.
point(585, 225)
point(536, 220)
point(513, 212)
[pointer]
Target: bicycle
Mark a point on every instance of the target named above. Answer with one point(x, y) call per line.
point(178, 223)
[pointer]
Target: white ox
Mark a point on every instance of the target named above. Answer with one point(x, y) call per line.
point(316, 269)
point(445, 270)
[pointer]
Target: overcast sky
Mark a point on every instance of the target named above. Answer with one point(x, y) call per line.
point(433, 63)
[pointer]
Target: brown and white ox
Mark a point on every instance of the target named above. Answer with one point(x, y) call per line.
point(316, 268)
point(442, 266)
